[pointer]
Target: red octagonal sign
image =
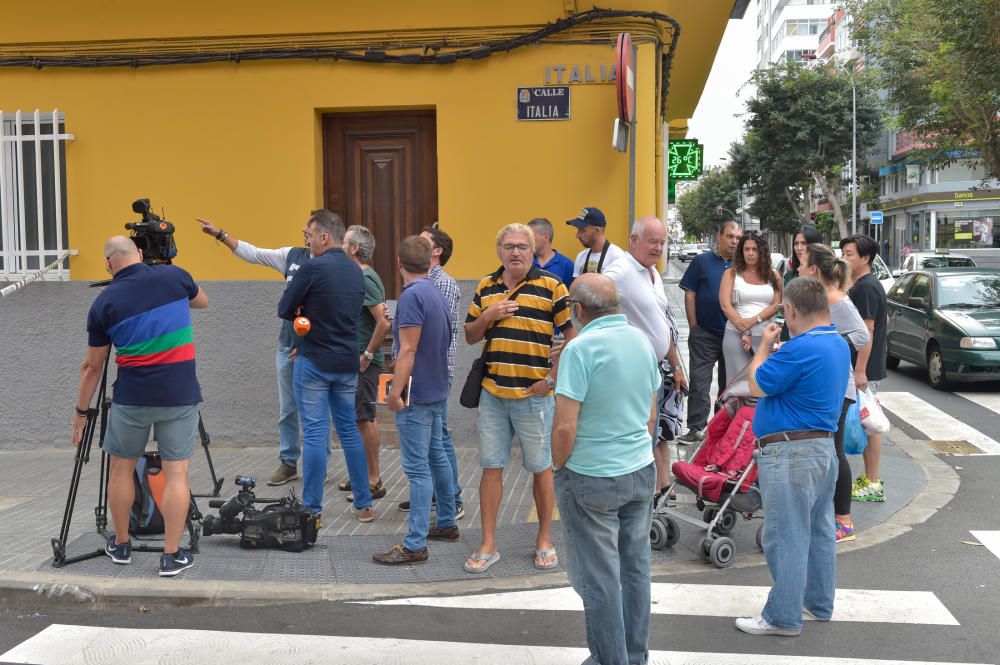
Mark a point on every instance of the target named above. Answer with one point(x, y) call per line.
point(625, 88)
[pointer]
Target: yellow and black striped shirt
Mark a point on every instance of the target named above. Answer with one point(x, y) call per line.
point(518, 355)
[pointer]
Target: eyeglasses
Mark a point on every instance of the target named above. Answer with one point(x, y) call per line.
point(519, 248)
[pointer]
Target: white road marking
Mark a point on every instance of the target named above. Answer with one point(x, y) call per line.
point(720, 600)
point(71, 645)
point(989, 401)
point(991, 539)
point(935, 423)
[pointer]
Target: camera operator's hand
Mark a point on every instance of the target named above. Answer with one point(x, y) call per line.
point(79, 423)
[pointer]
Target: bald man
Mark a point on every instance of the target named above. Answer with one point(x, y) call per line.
point(145, 313)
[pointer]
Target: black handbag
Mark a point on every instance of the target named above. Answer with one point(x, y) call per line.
point(474, 381)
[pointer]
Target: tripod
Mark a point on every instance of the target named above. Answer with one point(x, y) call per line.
point(99, 412)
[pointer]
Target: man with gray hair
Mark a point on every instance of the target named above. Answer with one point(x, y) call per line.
point(373, 324)
point(643, 301)
point(801, 387)
point(328, 290)
point(605, 415)
point(546, 257)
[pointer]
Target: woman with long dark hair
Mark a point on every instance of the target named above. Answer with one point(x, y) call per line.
point(807, 235)
point(749, 296)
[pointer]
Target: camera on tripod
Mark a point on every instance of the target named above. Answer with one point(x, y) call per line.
point(153, 235)
point(284, 523)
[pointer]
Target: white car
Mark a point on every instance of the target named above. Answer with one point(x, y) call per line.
point(879, 268)
point(688, 252)
point(938, 259)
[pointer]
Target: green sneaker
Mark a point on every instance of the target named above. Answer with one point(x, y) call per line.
point(868, 491)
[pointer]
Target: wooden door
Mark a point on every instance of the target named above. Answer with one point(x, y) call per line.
point(381, 172)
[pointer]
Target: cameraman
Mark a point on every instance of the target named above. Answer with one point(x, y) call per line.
point(145, 313)
point(285, 260)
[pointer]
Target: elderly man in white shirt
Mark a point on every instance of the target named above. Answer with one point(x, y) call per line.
point(643, 301)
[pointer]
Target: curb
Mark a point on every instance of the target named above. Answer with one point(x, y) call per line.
point(36, 589)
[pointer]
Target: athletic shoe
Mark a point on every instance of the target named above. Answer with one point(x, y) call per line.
point(364, 515)
point(845, 532)
point(172, 564)
point(459, 511)
point(866, 490)
point(758, 626)
point(119, 553)
point(285, 474)
point(692, 436)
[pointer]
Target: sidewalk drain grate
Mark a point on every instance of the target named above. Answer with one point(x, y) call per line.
point(956, 447)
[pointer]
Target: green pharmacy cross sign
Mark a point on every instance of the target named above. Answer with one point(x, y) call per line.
point(685, 159)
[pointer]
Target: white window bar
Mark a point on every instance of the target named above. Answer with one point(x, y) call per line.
point(14, 248)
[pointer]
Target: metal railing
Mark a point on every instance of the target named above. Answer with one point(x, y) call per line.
point(32, 218)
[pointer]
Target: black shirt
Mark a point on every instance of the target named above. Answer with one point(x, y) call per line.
point(331, 291)
point(868, 296)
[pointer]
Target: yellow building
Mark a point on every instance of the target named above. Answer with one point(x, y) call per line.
point(254, 113)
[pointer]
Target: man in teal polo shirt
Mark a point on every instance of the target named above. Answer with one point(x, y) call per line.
point(604, 472)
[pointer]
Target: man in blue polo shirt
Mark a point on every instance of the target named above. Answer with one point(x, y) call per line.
point(546, 256)
point(146, 313)
point(329, 290)
point(802, 388)
point(707, 325)
point(605, 413)
point(421, 336)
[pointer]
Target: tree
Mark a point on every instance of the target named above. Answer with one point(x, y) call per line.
point(699, 217)
point(939, 61)
point(799, 130)
point(775, 202)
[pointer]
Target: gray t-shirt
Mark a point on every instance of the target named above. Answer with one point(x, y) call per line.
point(844, 315)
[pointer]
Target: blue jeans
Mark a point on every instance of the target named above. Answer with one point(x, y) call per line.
point(319, 395)
point(288, 413)
point(606, 525)
point(449, 449)
point(421, 451)
point(797, 481)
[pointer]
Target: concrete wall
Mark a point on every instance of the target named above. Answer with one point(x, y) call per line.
point(44, 339)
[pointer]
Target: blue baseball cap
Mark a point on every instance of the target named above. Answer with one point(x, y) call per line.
point(589, 217)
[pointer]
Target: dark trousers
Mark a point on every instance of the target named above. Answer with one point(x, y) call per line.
point(842, 494)
point(704, 351)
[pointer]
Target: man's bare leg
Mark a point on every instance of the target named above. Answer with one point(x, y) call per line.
point(543, 489)
point(369, 434)
point(490, 495)
point(121, 495)
point(176, 503)
point(661, 455)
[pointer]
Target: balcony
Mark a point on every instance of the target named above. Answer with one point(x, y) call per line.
point(827, 42)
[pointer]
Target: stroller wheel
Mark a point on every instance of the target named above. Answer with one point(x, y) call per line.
point(705, 549)
point(726, 523)
point(658, 533)
point(673, 531)
point(760, 538)
point(722, 552)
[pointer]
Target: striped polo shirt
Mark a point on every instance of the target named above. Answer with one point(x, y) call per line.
point(518, 355)
point(145, 313)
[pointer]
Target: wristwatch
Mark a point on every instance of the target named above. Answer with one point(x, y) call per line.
point(759, 320)
point(221, 235)
point(368, 354)
point(549, 381)
point(677, 368)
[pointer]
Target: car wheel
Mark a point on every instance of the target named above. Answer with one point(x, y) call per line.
point(891, 362)
point(935, 368)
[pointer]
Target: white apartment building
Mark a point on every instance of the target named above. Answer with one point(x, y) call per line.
point(789, 29)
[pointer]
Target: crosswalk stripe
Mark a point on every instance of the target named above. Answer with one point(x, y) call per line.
point(991, 539)
point(935, 423)
point(989, 401)
point(69, 645)
point(718, 600)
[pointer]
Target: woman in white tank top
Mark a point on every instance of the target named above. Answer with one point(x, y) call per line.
point(749, 297)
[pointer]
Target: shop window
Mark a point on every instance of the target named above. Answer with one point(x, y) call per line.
point(33, 224)
point(972, 229)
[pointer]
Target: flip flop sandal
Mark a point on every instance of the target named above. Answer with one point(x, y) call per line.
point(490, 559)
point(545, 554)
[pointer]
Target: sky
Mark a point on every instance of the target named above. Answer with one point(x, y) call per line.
point(714, 122)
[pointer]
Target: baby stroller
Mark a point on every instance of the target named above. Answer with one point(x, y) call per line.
point(721, 474)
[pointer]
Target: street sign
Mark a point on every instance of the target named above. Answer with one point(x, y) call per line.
point(625, 84)
point(875, 217)
point(684, 159)
point(550, 102)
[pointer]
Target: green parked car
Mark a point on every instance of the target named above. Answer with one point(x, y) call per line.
point(947, 320)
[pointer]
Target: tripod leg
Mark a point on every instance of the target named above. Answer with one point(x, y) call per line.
point(82, 455)
point(205, 440)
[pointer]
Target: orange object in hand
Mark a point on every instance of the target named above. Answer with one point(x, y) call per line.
point(302, 326)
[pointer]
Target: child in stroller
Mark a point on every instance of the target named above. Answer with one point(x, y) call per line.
point(722, 475)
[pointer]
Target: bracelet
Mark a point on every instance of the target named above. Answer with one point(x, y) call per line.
point(677, 368)
point(221, 235)
point(81, 412)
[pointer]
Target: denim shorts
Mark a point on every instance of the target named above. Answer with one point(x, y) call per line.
point(530, 418)
point(174, 428)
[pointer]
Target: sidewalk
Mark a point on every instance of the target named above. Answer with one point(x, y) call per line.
point(34, 486)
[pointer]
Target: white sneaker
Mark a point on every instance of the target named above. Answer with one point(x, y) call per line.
point(758, 626)
point(806, 612)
